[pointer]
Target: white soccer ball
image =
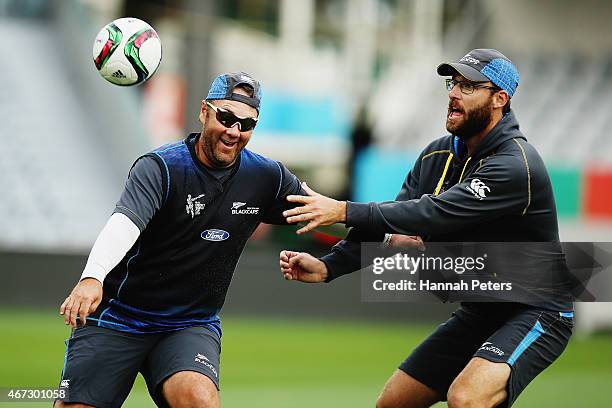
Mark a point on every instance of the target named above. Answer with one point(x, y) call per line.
point(127, 51)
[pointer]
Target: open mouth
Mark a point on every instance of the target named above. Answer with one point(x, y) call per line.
point(228, 143)
point(454, 112)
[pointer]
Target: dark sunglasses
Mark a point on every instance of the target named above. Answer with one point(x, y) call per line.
point(228, 119)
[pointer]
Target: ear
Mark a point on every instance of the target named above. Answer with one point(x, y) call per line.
point(203, 112)
point(500, 100)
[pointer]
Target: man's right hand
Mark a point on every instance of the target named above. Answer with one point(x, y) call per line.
point(82, 301)
point(302, 266)
point(407, 242)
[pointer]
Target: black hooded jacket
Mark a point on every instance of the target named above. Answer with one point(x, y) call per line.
point(501, 193)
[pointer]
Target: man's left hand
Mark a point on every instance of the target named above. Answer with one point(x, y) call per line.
point(317, 210)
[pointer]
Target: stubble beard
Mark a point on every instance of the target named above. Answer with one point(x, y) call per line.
point(209, 150)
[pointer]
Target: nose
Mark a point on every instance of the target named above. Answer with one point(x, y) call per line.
point(455, 92)
point(234, 131)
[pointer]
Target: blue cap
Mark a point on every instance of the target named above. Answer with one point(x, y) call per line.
point(224, 85)
point(483, 65)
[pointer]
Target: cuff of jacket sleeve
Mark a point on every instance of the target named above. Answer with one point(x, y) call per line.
point(329, 264)
point(94, 271)
point(357, 214)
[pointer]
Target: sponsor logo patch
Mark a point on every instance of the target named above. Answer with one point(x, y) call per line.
point(215, 235)
point(478, 188)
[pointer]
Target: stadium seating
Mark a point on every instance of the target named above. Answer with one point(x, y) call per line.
point(58, 184)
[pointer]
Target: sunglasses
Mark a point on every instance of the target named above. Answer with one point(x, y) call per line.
point(228, 119)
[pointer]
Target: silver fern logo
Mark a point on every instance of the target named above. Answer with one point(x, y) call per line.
point(239, 209)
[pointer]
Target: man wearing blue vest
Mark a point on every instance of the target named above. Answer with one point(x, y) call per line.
point(156, 278)
point(481, 183)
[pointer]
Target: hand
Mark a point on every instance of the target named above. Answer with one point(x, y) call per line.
point(302, 266)
point(407, 242)
point(82, 301)
point(317, 210)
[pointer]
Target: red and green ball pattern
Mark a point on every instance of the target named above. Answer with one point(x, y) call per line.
point(132, 50)
point(114, 39)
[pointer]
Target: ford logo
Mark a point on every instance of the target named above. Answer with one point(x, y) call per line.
point(215, 235)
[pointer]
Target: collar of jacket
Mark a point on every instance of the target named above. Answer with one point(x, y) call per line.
point(507, 128)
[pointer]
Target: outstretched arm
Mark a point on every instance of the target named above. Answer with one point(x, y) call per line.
point(317, 210)
point(302, 266)
point(498, 188)
point(345, 256)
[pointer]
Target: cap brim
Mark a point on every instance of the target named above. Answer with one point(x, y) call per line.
point(470, 73)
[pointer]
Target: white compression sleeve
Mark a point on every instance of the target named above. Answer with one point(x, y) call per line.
point(116, 238)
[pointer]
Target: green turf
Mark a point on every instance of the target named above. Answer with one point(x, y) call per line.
point(303, 363)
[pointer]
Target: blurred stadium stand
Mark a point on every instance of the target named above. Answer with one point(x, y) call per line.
point(53, 176)
point(67, 138)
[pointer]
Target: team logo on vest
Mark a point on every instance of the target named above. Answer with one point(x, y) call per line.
point(194, 207)
point(478, 188)
point(237, 209)
point(215, 235)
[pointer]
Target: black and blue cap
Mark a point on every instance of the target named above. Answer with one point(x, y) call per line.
point(224, 85)
point(482, 65)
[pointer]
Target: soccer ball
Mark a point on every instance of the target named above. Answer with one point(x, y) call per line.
point(127, 51)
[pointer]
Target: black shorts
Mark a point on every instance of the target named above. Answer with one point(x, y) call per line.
point(101, 364)
point(526, 338)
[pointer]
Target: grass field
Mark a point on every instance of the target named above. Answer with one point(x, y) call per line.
point(303, 363)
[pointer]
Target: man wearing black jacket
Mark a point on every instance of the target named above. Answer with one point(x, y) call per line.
point(482, 183)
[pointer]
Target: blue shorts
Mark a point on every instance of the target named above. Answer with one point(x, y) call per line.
point(526, 338)
point(101, 364)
